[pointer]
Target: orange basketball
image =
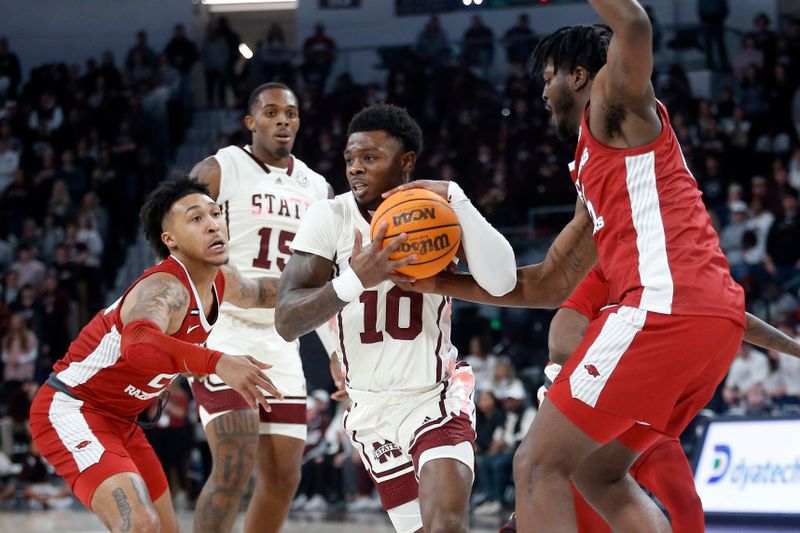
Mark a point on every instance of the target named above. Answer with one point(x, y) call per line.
point(431, 225)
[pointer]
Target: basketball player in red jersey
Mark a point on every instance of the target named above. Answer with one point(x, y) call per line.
point(83, 419)
point(647, 366)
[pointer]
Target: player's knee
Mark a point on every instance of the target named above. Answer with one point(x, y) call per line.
point(284, 475)
point(144, 521)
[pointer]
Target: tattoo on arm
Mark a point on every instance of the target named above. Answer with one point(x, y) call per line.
point(305, 299)
point(124, 508)
point(160, 299)
point(258, 292)
point(568, 260)
point(769, 337)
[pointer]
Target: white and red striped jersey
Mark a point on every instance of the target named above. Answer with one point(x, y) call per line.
point(655, 240)
point(263, 206)
point(389, 339)
point(98, 373)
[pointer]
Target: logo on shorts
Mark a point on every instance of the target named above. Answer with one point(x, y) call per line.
point(592, 370)
point(82, 445)
point(381, 451)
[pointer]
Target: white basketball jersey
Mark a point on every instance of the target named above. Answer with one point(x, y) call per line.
point(262, 208)
point(389, 339)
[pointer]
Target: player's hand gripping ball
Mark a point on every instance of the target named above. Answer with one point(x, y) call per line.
point(430, 224)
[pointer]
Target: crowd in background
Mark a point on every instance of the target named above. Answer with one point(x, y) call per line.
point(80, 146)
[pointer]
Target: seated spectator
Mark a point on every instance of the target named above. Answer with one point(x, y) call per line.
point(29, 269)
point(504, 379)
point(748, 56)
point(495, 467)
point(488, 418)
point(748, 373)
point(732, 236)
point(783, 240)
point(20, 348)
point(319, 54)
point(41, 488)
point(9, 163)
point(482, 361)
point(315, 481)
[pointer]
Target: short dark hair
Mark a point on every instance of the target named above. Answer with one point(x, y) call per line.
point(394, 120)
point(158, 204)
point(572, 46)
point(264, 87)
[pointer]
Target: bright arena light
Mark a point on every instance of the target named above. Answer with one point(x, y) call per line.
point(478, 2)
point(245, 51)
point(466, 2)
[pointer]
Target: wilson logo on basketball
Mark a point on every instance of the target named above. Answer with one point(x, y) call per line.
point(592, 370)
point(82, 445)
point(412, 215)
point(425, 246)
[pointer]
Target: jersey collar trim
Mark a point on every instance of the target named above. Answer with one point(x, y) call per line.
point(203, 319)
point(263, 165)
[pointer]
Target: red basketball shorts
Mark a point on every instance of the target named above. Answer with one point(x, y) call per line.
point(639, 374)
point(86, 446)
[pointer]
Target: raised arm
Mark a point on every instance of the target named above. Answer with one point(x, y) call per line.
point(208, 171)
point(629, 64)
point(769, 337)
point(544, 285)
point(249, 292)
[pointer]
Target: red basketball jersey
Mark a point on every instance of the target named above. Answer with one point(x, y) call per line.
point(591, 296)
point(99, 374)
point(656, 244)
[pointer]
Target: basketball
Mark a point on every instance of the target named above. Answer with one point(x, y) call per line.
point(432, 229)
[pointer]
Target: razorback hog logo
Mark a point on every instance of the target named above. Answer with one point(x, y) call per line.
point(425, 246)
point(82, 445)
point(592, 370)
point(419, 213)
point(381, 451)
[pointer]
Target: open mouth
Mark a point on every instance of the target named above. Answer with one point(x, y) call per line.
point(358, 187)
point(217, 246)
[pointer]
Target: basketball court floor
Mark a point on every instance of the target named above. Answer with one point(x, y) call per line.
point(80, 521)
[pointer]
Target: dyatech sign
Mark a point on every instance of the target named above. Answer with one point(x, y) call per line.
point(750, 467)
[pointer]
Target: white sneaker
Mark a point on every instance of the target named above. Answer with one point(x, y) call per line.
point(489, 507)
point(361, 504)
point(299, 502)
point(316, 503)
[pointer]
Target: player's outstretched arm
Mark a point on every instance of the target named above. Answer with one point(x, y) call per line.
point(544, 285)
point(209, 172)
point(153, 310)
point(769, 337)
point(629, 64)
point(246, 292)
point(489, 255)
point(306, 297)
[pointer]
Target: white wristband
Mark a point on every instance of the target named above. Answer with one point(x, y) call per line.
point(347, 286)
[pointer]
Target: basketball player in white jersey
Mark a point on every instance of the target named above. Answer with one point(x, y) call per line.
point(264, 191)
point(413, 416)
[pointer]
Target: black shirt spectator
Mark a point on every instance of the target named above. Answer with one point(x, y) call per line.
point(519, 41)
point(10, 72)
point(181, 52)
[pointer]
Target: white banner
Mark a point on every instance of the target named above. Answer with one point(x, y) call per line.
point(750, 467)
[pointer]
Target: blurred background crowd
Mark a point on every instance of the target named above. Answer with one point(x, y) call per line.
point(80, 145)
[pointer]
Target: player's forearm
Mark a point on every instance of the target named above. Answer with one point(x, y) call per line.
point(464, 287)
point(262, 293)
point(622, 15)
point(766, 336)
point(301, 310)
point(489, 255)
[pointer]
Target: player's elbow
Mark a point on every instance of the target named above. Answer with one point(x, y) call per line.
point(558, 355)
point(283, 325)
point(503, 278)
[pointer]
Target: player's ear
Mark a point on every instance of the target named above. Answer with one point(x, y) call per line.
point(250, 122)
point(579, 78)
point(168, 240)
point(407, 160)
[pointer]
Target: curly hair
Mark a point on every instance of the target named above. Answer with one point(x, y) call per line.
point(158, 204)
point(395, 121)
point(572, 46)
point(265, 87)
